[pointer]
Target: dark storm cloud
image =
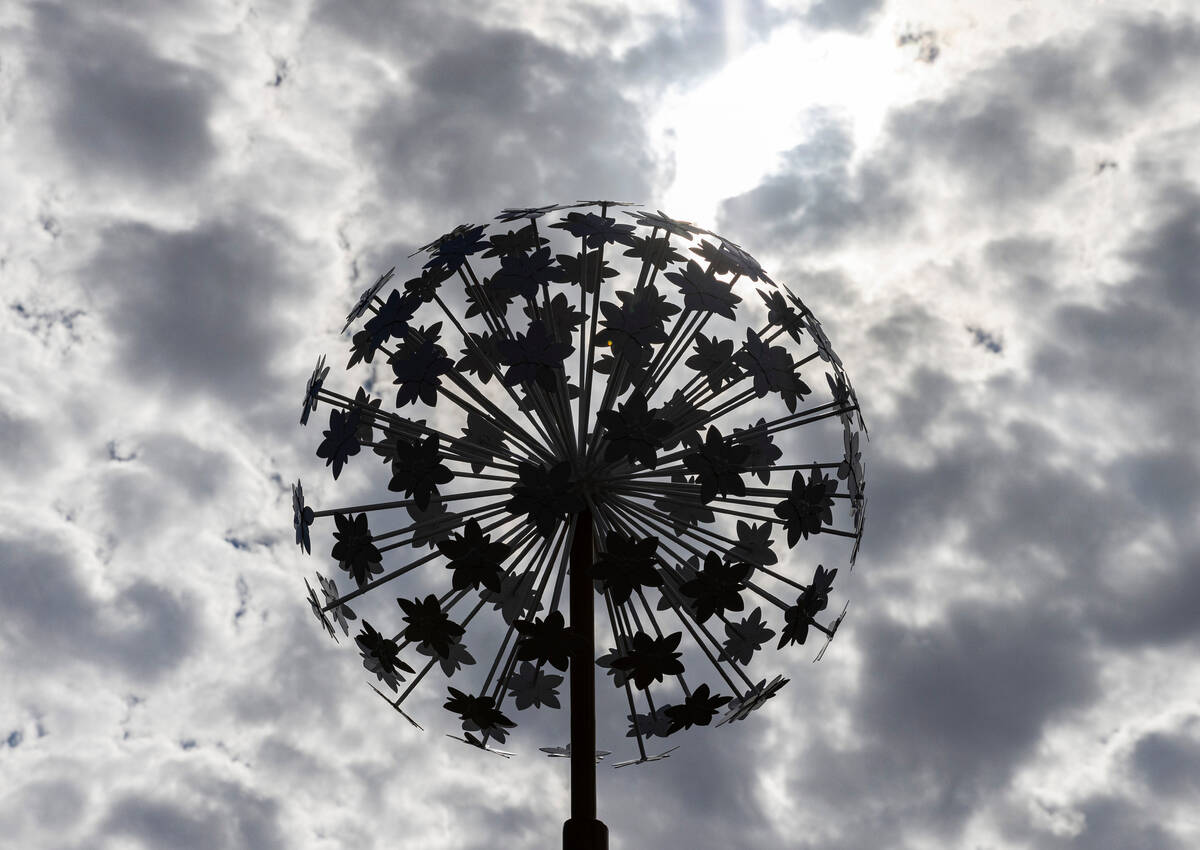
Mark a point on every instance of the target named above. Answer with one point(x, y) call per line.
point(852, 15)
point(944, 715)
point(119, 107)
point(52, 620)
point(192, 310)
point(1169, 763)
point(500, 118)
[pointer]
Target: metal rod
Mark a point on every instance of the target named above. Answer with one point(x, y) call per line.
point(583, 831)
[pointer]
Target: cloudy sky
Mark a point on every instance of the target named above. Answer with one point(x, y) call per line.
point(993, 208)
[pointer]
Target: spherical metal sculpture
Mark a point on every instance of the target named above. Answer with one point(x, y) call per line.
point(603, 442)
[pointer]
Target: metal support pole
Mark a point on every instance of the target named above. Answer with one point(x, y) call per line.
point(583, 831)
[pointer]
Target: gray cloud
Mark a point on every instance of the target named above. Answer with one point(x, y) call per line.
point(502, 118)
point(995, 135)
point(192, 311)
point(814, 199)
point(989, 142)
point(221, 815)
point(1169, 763)
point(1109, 822)
point(694, 46)
point(51, 620)
point(120, 108)
point(943, 715)
point(851, 15)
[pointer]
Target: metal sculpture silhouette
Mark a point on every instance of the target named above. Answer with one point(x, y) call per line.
point(605, 445)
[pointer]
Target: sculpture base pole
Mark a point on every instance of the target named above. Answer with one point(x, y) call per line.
point(583, 831)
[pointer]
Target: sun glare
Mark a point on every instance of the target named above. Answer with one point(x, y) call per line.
point(728, 133)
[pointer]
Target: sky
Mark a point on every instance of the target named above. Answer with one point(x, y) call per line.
point(994, 209)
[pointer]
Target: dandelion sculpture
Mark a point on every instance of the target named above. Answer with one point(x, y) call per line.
point(595, 410)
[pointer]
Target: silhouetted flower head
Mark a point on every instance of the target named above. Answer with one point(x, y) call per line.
point(574, 366)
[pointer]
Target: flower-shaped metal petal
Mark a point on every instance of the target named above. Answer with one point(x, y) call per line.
point(451, 251)
point(714, 361)
point(315, 604)
point(418, 469)
point(565, 752)
point(657, 252)
point(452, 661)
point(634, 432)
point(392, 319)
point(808, 506)
point(718, 586)
point(754, 544)
point(430, 625)
point(514, 242)
point(382, 653)
point(354, 550)
point(661, 221)
point(718, 465)
point(746, 637)
point(627, 564)
point(596, 230)
point(302, 517)
point(418, 371)
point(649, 658)
point(772, 368)
point(365, 299)
point(531, 686)
point(703, 292)
point(544, 640)
point(339, 613)
point(474, 558)
point(479, 714)
point(753, 699)
point(525, 273)
point(534, 356)
point(516, 213)
point(314, 386)
point(697, 709)
point(341, 439)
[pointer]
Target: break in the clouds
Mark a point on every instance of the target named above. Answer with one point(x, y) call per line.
point(1005, 259)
